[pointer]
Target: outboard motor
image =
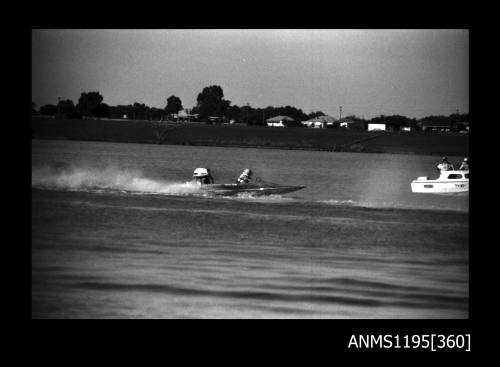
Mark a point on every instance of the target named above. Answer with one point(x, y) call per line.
point(202, 176)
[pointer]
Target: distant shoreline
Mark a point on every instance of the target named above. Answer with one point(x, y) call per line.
point(242, 136)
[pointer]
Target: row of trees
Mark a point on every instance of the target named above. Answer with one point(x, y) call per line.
point(90, 104)
point(210, 102)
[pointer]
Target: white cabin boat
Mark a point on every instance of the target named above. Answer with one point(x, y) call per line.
point(447, 183)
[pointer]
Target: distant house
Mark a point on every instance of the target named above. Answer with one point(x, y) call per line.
point(377, 127)
point(434, 126)
point(215, 119)
point(408, 128)
point(462, 126)
point(280, 121)
point(183, 115)
point(321, 122)
point(351, 124)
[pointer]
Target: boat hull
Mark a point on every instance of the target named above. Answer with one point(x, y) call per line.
point(440, 187)
point(448, 182)
point(252, 189)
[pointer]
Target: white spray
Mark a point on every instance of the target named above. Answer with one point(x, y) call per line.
point(108, 178)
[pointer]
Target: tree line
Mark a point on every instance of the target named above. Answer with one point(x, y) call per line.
point(210, 103)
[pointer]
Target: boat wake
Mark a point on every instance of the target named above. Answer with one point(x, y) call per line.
point(458, 194)
point(117, 180)
point(108, 179)
point(337, 202)
point(273, 198)
point(132, 182)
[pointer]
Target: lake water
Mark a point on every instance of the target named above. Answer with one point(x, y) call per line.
point(118, 231)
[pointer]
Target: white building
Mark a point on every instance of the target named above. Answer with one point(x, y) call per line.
point(374, 127)
point(279, 121)
point(184, 115)
point(320, 122)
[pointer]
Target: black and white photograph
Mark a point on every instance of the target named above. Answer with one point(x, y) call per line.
point(250, 174)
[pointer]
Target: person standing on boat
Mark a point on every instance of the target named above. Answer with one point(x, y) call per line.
point(445, 165)
point(465, 165)
point(246, 176)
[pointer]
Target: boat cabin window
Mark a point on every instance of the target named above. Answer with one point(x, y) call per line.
point(466, 175)
point(454, 176)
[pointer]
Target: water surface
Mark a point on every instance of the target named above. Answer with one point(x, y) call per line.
point(118, 232)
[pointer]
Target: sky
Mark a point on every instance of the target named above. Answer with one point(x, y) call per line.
point(369, 73)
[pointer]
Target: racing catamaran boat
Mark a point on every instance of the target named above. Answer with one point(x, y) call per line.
point(256, 188)
point(448, 182)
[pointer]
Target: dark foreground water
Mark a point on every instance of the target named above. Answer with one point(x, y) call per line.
point(112, 242)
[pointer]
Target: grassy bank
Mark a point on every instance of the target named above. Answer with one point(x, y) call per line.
point(253, 136)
